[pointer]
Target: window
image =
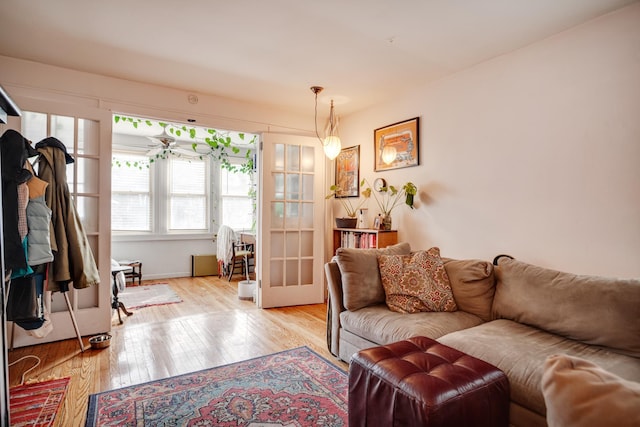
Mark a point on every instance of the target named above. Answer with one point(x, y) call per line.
point(130, 193)
point(141, 203)
point(162, 190)
point(188, 199)
point(237, 210)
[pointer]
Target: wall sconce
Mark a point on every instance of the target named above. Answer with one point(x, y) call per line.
point(331, 143)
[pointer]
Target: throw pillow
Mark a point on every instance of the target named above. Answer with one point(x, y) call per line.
point(361, 285)
point(578, 393)
point(416, 282)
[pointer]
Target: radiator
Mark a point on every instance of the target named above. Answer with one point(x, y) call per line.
point(204, 265)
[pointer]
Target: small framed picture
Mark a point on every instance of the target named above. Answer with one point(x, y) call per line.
point(401, 137)
point(348, 172)
point(377, 223)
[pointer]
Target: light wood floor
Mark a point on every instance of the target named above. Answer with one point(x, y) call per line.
point(211, 327)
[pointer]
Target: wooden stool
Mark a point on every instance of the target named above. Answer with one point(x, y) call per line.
point(135, 272)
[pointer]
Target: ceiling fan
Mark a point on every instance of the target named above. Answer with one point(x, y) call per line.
point(166, 142)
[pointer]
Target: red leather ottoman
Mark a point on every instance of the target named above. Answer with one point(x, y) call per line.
point(419, 382)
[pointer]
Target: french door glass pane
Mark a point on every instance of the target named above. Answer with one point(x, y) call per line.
point(88, 212)
point(62, 127)
point(88, 137)
point(88, 180)
point(277, 215)
point(34, 126)
point(293, 158)
point(278, 157)
point(292, 245)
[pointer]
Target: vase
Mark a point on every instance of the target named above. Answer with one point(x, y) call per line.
point(386, 222)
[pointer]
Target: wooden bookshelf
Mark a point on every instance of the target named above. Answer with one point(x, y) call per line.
point(363, 238)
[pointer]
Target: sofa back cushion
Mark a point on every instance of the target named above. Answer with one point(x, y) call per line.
point(594, 310)
point(473, 284)
point(361, 284)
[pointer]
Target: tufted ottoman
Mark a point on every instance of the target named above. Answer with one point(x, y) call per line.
point(419, 382)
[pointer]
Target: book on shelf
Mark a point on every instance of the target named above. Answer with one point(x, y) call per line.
point(358, 240)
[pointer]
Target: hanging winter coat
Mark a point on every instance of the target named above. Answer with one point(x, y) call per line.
point(13, 148)
point(73, 260)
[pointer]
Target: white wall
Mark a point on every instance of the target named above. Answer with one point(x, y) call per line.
point(535, 153)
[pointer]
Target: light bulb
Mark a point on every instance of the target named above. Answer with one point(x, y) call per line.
point(332, 147)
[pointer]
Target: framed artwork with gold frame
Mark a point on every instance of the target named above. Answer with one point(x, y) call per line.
point(348, 172)
point(404, 137)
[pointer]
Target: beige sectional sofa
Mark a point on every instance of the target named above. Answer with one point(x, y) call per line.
point(513, 315)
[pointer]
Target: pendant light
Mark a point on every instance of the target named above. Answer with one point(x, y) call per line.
point(331, 143)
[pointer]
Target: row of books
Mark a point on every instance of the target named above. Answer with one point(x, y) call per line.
point(354, 239)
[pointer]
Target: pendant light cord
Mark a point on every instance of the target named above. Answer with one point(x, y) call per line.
point(315, 120)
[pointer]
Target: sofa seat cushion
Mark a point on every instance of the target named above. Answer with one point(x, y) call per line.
point(383, 326)
point(520, 351)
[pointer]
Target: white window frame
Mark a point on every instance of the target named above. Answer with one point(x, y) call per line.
point(235, 161)
point(150, 168)
point(160, 204)
point(172, 196)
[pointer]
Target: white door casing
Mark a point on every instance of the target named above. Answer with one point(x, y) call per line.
point(291, 222)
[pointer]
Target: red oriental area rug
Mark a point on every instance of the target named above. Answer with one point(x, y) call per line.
point(37, 404)
point(294, 388)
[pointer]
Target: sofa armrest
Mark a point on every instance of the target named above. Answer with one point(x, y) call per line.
point(334, 306)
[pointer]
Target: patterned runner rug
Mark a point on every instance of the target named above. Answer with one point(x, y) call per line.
point(148, 295)
point(294, 388)
point(36, 404)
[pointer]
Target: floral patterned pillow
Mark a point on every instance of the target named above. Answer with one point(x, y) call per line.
point(416, 282)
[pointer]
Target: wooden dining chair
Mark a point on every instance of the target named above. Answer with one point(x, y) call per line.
point(242, 253)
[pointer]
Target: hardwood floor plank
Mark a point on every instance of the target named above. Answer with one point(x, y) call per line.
point(211, 327)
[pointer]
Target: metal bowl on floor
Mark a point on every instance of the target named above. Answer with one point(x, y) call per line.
point(100, 341)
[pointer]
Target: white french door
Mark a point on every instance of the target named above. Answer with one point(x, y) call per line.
point(290, 221)
point(86, 132)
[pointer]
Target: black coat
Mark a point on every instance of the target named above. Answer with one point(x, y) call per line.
point(13, 148)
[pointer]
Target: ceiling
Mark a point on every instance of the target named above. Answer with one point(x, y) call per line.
point(270, 52)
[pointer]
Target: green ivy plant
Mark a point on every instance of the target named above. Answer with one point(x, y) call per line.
point(219, 144)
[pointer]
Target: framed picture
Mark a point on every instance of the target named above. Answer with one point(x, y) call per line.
point(401, 136)
point(348, 172)
point(376, 223)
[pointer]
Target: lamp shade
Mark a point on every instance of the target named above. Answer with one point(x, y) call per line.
point(389, 154)
point(332, 146)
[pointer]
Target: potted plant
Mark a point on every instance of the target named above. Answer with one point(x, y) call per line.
point(350, 208)
point(388, 197)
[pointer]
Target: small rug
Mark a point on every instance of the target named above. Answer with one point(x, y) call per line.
point(293, 388)
point(37, 404)
point(148, 295)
